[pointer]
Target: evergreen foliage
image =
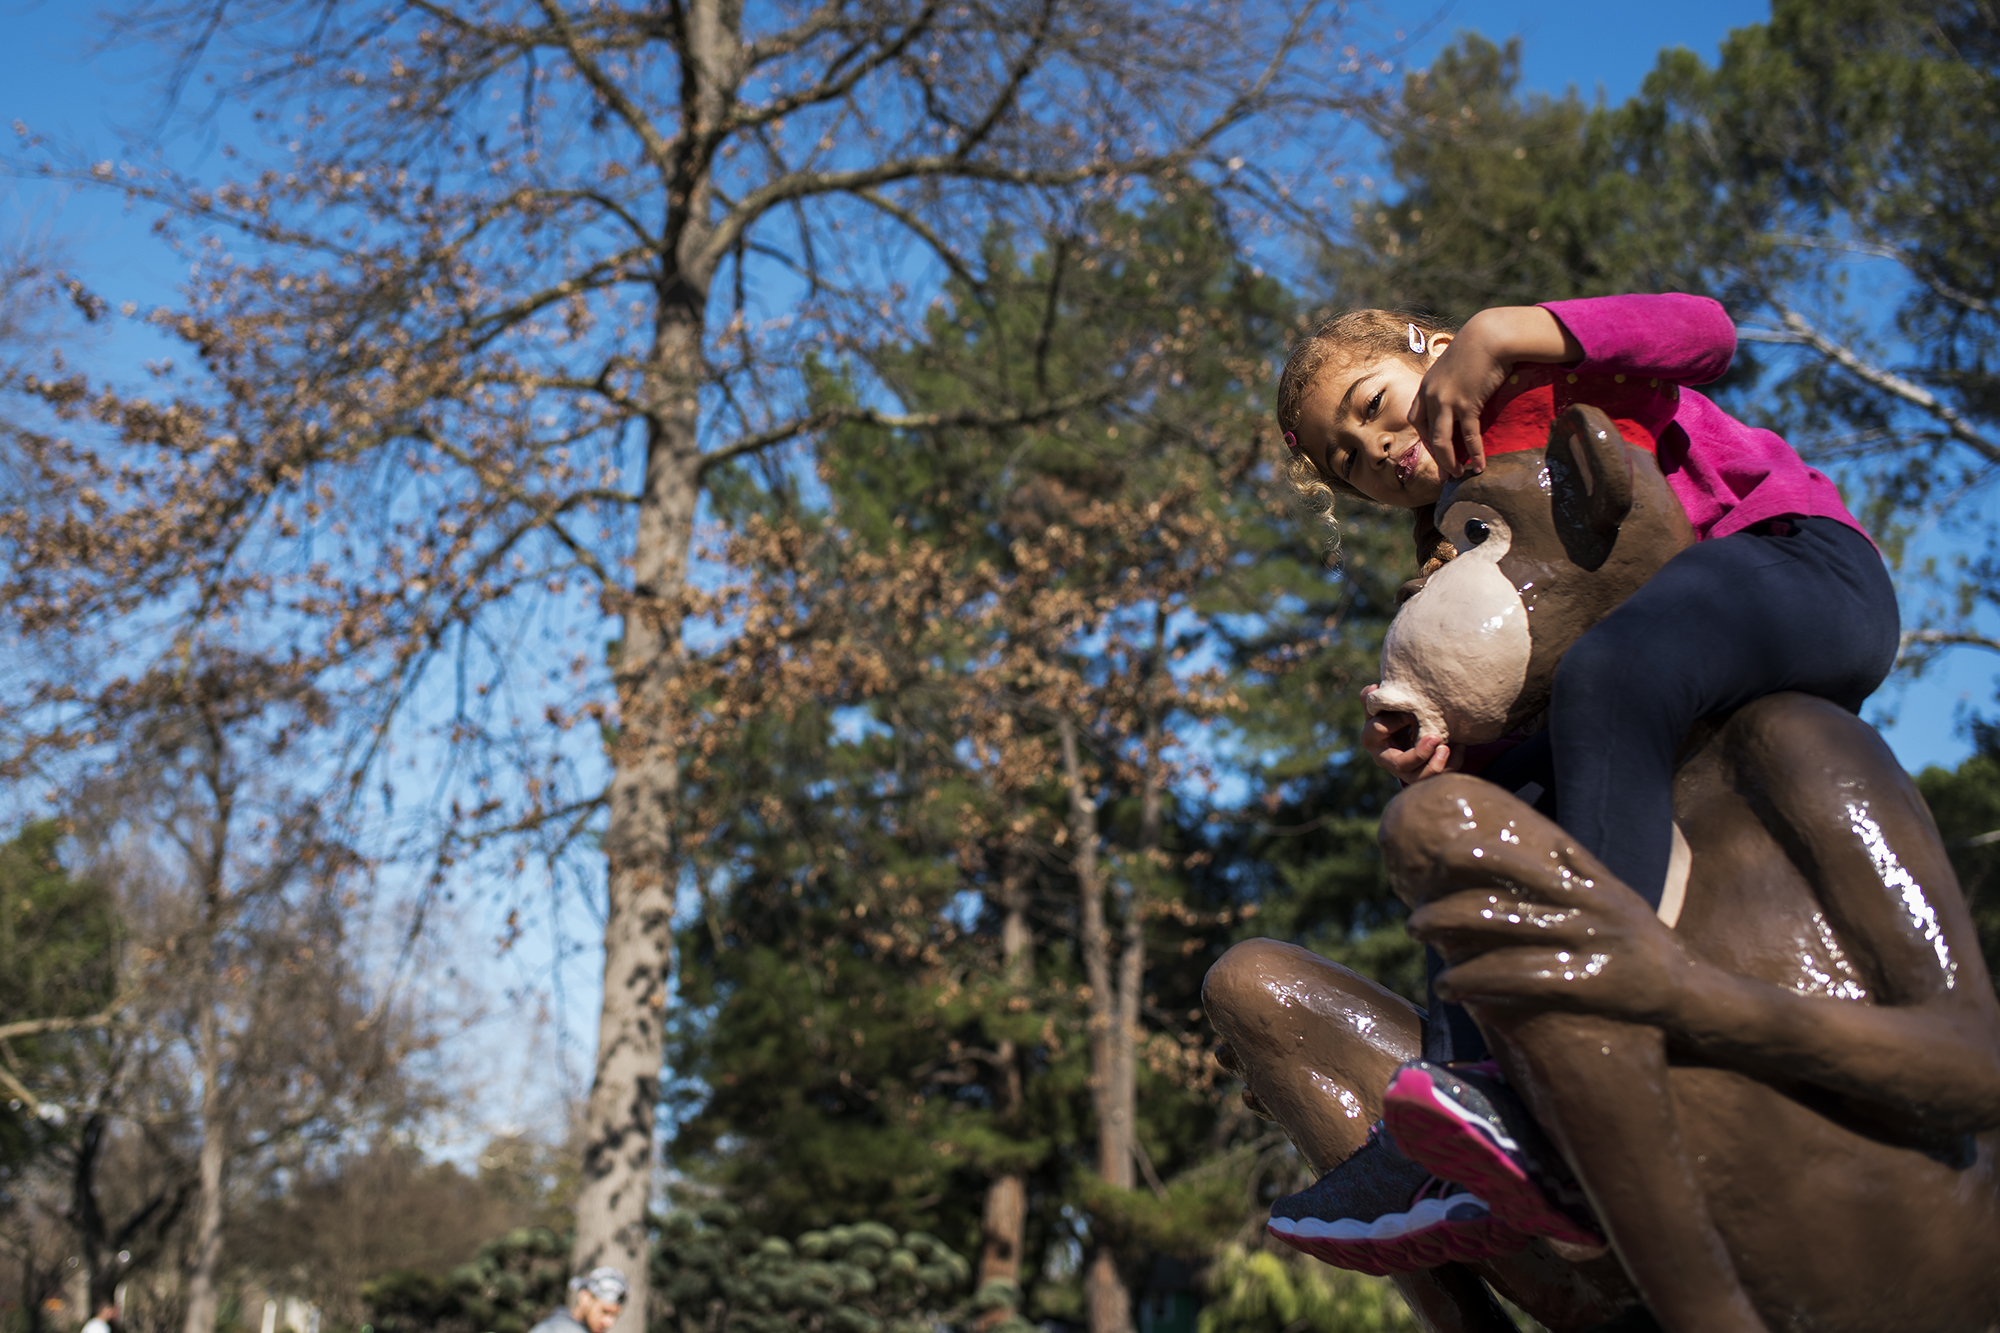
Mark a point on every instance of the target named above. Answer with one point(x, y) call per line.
point(1261, 1291)
point(846, 994)
point(58, 959)
point(712, 1273)
point(722, 1276)
point(56, 931)
point(1506, 199)
point(1965, 801)
point(513, 1282)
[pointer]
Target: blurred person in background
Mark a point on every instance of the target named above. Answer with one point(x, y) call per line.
point(594, 1301)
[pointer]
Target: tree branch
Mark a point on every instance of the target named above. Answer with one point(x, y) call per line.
point(1011, 91)
point(955, 165)
point(928, 235)
point(609, 271)
point(1940, 638)
point(804, 184)
point(834, 86)
point(35, 1026)
point(794, 38)
point(1798, 330)
point(20, 1089)
point(658, 150)
point(605, 202)
point(868, 416)
point(1945, 291)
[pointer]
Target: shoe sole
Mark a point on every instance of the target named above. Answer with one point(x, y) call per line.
point(1457, 1145)
point(1382, 1248)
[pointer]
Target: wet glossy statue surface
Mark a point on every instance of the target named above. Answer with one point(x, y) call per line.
point(1822, 1124)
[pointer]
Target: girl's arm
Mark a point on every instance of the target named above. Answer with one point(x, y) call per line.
point(1672, 336)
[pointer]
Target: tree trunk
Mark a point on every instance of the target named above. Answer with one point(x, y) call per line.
point(1132, 961)
point(86, 1217)
point(1004, 1220)
point(643, 861)
point(203, 1297)
point(205, 1256)
point(1107, 1302)
point(1123, 1093)
point(1003, 1224)
point(31, 1292)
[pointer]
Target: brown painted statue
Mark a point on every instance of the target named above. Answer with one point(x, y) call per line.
point(1816, 1151)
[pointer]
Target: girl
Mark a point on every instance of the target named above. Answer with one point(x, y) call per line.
point(1782, 591)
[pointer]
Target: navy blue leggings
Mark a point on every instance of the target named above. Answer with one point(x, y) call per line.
point(1796, 604)
point(1725, 622)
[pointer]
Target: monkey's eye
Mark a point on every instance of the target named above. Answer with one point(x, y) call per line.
point(1475, 531)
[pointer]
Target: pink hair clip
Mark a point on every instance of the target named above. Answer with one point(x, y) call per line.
point(1291, 442)
point(1416, 340)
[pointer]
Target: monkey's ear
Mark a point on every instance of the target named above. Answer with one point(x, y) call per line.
point(1590, 483)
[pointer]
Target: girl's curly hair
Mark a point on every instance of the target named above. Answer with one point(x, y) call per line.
point(1341, 340)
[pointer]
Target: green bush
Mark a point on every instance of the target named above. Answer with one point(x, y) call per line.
point(711, 1274)
point(512, 1283)
point(1258, 1291)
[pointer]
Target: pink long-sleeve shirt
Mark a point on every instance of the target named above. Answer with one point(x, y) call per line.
point(1727, 475)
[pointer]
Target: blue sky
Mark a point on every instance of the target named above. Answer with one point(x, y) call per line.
point(1584, 43)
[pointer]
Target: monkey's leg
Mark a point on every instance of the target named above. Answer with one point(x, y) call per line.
point(1315, 1045)
point(1598, 1086)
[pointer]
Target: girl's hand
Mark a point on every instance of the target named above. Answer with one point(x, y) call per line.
point(1386, 738)
point(1475, 363)
point(1453, 393)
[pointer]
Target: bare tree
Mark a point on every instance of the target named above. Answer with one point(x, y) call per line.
point(384, 1209)
point(518, 284)
point(132, 1226)
point(36, 1250)
point(243, 987)
point(212, 924)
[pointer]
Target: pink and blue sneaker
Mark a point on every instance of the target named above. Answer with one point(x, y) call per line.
point(1466, 1125)
point(1379, 1212)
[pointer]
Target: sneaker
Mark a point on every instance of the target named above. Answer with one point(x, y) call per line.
point(1467, 1124)
point(1379, 1212)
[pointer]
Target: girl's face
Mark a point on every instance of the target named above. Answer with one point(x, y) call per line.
point(1355, 425)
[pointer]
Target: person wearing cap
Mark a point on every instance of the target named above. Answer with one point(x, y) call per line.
point(595, 1299)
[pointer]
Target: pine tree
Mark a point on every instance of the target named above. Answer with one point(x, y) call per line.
point(1965, 801)
point(58, 969)
point(967, 677)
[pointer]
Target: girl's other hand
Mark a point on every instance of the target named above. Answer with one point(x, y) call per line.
point(1387, 739)
point(1450, 398)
